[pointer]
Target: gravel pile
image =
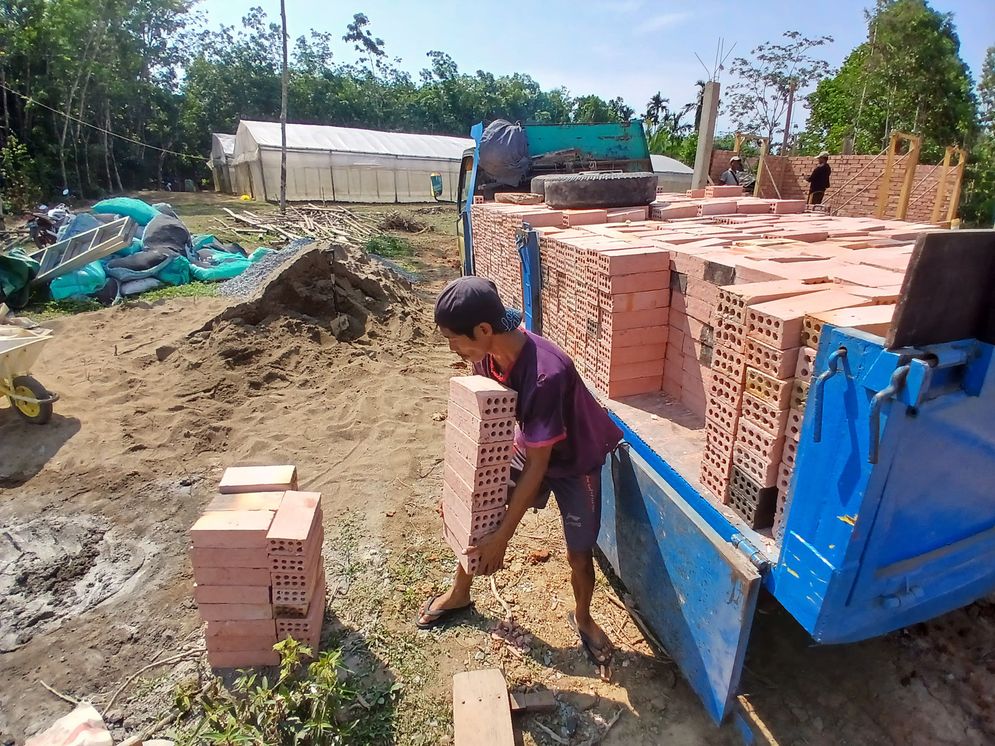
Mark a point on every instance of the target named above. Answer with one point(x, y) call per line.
point(247, 282)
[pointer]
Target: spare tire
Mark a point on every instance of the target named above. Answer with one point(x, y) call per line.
point(538, 185)
point(601, 190)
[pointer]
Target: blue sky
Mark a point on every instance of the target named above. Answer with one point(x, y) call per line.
point(630, 48)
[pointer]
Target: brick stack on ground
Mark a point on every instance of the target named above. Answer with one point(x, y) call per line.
point(256, 556)
point(666, 305)
point(480, 432)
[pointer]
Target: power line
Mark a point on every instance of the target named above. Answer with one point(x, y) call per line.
point(70, 117)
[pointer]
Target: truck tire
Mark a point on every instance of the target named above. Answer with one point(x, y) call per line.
point(538, 184)
point(601, 190)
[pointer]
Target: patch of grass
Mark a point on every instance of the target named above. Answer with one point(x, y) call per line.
point(390, 247)
point(190, 290)
point(45, 310)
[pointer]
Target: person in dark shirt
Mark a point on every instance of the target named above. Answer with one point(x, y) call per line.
point(732, 176)
point(818, 180)
point(562, 440)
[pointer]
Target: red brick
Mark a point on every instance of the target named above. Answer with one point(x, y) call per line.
point(217, 557)
point(218, 612)
point(299, 562)
point(641, 354)
point(805, 364)
point(468, 494)
point(307, 628)
point(634, 386)
point(294, 523)
point(295, 601)
point(793, 429)
point(728, 362)
point(755, 438)
point(619, 262)
point(628, 371)
point(733, 299)
point(479, 478)
point(245, 501)
point(768, 389)
point(716, 436)
point(639, 283)
point(241, 628)
point(243, 658)
point(469, 563)
point(758, 467)
point(481, 431)
point(726, 389)
point(231, 575)
point(638, 319)
point(231, 594)
point(790, 452)
point(643, 301)
point(258, 479)
point(232, 529)
point(477, 455)
point(234, 643)
point(470, 524)
point(779, 323)
point(653, 335)
point(714, 482)
point(722, 413)
point(482, 397)
point(774, 362)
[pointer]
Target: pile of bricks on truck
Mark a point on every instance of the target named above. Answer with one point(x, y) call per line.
point(480, 431)
point(256, 555)
point(713, 298)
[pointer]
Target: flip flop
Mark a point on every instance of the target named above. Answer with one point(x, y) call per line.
point(438, 616)
point(603, 666)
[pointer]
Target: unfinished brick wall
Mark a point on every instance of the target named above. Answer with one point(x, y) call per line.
point(855, 181)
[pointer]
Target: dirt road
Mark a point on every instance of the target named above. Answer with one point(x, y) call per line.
point(158, 399)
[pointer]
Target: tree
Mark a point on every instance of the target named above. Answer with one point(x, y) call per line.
point(908, 76)
point(771, 81)
point(978, 206)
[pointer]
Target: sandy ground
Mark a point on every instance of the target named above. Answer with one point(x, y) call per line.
point(154, 406)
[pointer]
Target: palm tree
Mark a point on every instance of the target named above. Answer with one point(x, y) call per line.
point(655, 108)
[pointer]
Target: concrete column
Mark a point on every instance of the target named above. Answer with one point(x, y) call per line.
point(706, 134)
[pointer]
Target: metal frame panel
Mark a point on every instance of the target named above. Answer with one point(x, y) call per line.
point(73, 253)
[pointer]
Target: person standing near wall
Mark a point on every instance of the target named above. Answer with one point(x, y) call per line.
point(818, 180)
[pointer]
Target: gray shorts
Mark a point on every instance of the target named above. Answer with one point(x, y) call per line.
point(579, 500)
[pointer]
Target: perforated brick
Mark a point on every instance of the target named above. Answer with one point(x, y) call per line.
point(729, 334)
point(790, 452)
point(799, 394)
point(774, 362)
point(805, 364)
point(811, 332)
point(784, 477)
point(755, 438)
point(483, 478)
point(297, 594)
point(470, 563)
point(721, 461)
point(764, 414)
point(713, 481)
point(481, 431)
point(793, 428)
point(754, 504)
point(768, 388)
point(307, 627)
point(477, 455)
point(717, 437)
point(723, 414)
point(725, 390)
point(294, 523)
point(471, 524)
point(484, 398)
point(728, 361)
point(762, 469)
point(299, 563)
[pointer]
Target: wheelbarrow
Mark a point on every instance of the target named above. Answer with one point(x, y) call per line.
point(19, 349)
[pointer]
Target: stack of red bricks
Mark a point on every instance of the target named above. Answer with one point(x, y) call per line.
point(256, 555)
point(480, 433)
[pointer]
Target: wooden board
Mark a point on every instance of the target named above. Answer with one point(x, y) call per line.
point(481, 711)
point(543, 701)
point(949, 291)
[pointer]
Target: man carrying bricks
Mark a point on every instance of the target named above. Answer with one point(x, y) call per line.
point(561, 442)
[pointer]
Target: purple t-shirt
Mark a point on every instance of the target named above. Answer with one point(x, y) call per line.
point(555, 408)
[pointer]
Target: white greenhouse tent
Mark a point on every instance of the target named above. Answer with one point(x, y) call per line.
point(222, 154)
point(341, 164)
point(671, 175)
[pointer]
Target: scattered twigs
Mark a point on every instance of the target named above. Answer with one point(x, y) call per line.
point(164, 662)
point(311, 221)
point(507, 609)
point(551, 734)
point(60, 695)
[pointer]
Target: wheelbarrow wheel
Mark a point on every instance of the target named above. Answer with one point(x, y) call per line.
point(37, 413)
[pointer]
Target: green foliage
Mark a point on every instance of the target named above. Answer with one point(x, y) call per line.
point(978, 206)
point(908, 76)
point(17, 173)
point(189, 290)
point(388, 246)
point(775, 73)
point(308, 704)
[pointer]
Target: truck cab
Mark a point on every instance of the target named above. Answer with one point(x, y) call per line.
point(553, 149)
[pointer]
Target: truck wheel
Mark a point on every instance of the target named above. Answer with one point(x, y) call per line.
point(538, 184)
point(601, 190)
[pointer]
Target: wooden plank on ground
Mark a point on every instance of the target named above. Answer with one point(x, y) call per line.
point(543, 701)
point(481, 711)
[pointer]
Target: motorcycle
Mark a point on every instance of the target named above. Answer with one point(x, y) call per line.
point(45, 222)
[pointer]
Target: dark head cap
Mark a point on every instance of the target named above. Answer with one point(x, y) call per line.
point(469, 301)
